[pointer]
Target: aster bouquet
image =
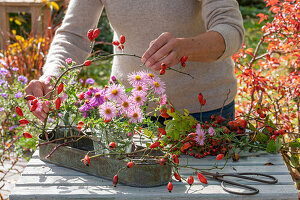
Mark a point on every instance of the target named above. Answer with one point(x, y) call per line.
point(118, 112)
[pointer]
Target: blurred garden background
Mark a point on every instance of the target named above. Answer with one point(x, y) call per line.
point(22, 58)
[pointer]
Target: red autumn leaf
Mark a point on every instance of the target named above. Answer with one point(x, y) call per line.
point(262, 17)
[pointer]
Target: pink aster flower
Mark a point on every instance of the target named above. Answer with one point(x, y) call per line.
point(140, 87)
point(158, 86)
point(149, 76)
point(108, 111)
point(138, 98)
point(163, 100)
point(115, 92)
point(136, 78)
point(125, 106)
point(135, 115)
point(200, 137)
point(211, 131)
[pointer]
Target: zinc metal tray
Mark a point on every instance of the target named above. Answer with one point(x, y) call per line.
point(145, 174)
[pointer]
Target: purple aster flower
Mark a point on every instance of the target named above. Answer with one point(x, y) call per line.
point(60, 115)
point(1, 109)
point(4, 95)
point(114, 79)
point(50, 120)
point(14, 115)
point(19, 95)
point(97, 100)
point(88, 94)
point(90, 81)
point(3, 71)
point(13, 127)
point(2, 82)
point(200, 135)
point(22, 79)
point(86, 106)
point(85, 114)
point(80, 81)
point(15, 69)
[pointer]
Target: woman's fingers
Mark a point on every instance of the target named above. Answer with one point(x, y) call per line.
point(169, 60)
point(37, 89)
point(162, 52)
point(155, 46)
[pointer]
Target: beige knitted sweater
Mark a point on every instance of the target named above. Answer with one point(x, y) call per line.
point(142, 21)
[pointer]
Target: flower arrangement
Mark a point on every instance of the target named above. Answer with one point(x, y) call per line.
point(115, 114)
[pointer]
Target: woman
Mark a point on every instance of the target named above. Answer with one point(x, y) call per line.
point(208, 32)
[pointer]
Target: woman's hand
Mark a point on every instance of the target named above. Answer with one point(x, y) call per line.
point(165, 49)
point(39, 88)
point(206, 47)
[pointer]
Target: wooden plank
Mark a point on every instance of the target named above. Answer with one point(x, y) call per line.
point(181, 191)
point(29, 181)
point(61, 171)
point(248, 161)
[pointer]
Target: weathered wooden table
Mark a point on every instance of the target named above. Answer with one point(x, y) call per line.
point(42, 180)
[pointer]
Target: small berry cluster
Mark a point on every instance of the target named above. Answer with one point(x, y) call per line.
point(163, 67)
point(93, 34)
point(183, 59)
point(120, 44)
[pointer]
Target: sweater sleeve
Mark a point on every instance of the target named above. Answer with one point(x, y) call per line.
point(70, 40)
point(224, 17)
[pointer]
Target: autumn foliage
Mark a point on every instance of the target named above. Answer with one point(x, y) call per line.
point(268, 74)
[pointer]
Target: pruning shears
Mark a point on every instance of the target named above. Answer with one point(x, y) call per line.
point(247, 176)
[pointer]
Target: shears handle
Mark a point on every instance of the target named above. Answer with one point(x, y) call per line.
point(252, 190)
point(245, 176)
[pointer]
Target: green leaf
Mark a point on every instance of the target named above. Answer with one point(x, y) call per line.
point(278, 144)
point(271, 147)
point(274, 146)
point(148, 144)
point(261, 137)
point(149, 133)
point(186, 112)
point(252, 128)
point(128, 90)
point(295, 143)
